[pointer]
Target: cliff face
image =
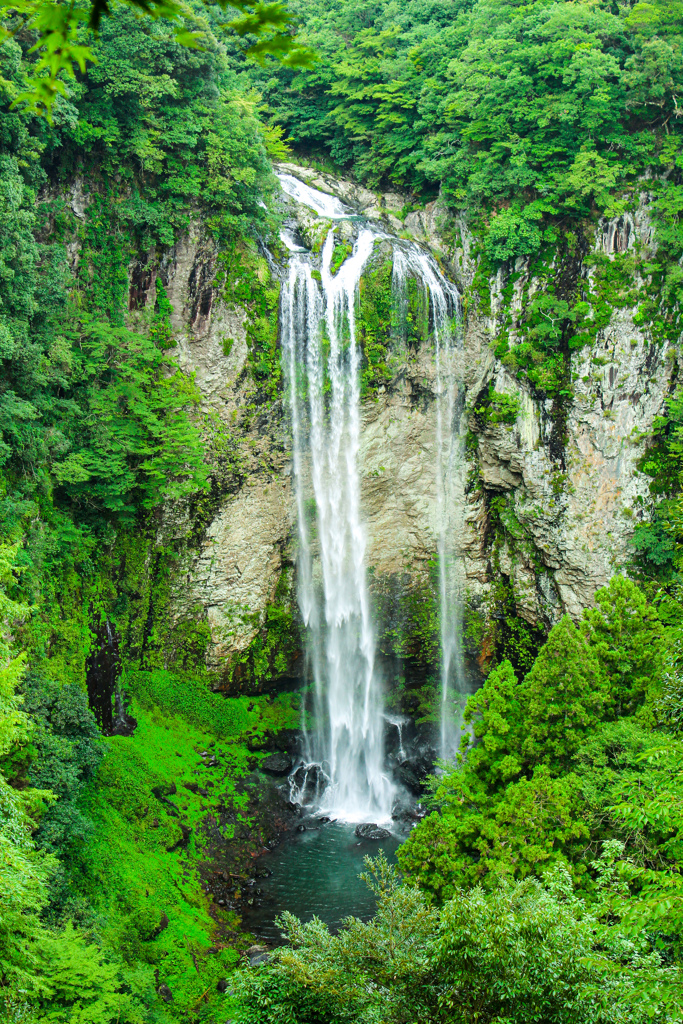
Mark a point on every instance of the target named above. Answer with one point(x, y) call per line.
point(546, 497)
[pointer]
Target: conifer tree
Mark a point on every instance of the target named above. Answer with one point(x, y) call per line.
point(564, 695)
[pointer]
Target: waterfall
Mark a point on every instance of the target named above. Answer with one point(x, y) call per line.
point(324, 398)
point(321, 363)
point(445, 308)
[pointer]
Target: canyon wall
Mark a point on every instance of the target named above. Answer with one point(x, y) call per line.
point(549, 492)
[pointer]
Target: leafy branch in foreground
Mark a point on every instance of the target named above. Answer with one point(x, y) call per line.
point(61, 29)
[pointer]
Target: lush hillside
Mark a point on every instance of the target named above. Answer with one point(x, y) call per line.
point(99, 428)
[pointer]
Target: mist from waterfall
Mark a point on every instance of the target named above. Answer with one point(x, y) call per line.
point(346, 772)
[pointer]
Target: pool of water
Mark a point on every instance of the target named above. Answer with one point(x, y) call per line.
point(315, 873)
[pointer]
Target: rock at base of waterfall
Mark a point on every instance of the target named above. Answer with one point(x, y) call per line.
point(402, 809)
point(279, 763)
point(371, 830)
point(309, 782)
point(412, 773)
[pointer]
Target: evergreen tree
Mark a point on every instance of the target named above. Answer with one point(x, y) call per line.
point(626, 636)
point(564, 695)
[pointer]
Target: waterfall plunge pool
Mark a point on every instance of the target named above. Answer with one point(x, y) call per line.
point(315, 873)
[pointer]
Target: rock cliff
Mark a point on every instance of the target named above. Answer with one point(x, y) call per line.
point(548, 493)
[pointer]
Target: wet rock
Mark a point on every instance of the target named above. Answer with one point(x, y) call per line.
point(162, 926)
point(165, 993)
point(411, 773)
point(124, 724)
point(257, 955)
point(324, 820)
point(183, 841)
point(279, 763)
point(403, 810)
point(301, 828)
point(405, 775)
point(310, 781)
point(370, 830)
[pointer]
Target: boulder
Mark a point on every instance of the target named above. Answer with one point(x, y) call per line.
point(279, 763)
point(370, 830)
point(310, 781)
point(412, 773)
point(165, 993)
point(257, 955)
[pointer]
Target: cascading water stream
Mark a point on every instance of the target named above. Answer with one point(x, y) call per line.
point(327, 401)
point(321, 360)
point(444, 301)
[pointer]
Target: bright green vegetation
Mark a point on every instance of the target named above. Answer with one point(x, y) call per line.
point(519, 952)
point(527, 111)
point(104, 848)
point(658, 542)
point(64, 46)
point(545, 883)
point(498, 408)
point(530, 120)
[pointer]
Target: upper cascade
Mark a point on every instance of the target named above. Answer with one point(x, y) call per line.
point(322, 364)
point(323, 204)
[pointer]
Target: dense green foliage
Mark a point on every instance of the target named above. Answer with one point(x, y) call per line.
point(530, 111)
point(99, 426)
point(64, 37)
point(545, 884)
point(520, 952)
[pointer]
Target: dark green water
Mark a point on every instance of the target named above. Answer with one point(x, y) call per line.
point(315, 873)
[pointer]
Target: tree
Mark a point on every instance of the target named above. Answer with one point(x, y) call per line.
point(496, 714)
point(564, 695)
point(23, 891)
point(522, 952)
point(64, 32)
point(626, 636)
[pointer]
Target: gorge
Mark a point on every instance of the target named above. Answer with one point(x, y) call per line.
point(341, 516)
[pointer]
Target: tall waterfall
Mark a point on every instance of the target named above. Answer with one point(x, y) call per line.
point(321, 361)
point(444, 303)
point(325, 410)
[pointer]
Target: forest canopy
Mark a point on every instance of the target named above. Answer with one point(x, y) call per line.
point(534, 113)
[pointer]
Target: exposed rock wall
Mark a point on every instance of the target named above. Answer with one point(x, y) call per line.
point(567, 470)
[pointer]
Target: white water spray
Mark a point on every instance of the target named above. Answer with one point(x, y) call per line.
point(321, 361)
point(324, 395)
